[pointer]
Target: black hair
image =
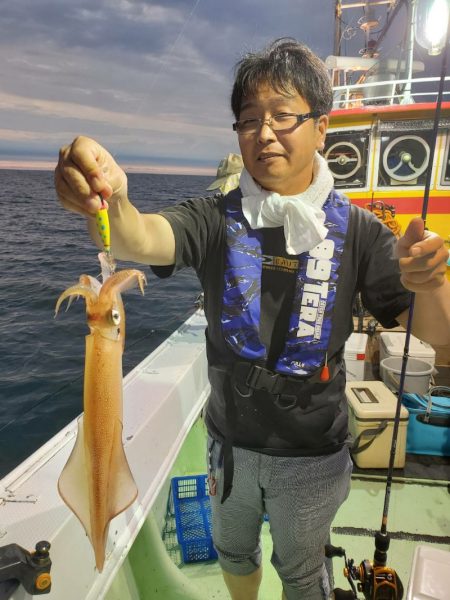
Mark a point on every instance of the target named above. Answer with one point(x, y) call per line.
point(286, 66)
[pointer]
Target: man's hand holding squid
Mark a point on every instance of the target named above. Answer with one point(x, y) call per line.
point(85, 170)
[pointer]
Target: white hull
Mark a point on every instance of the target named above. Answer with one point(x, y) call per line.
point(163, 396)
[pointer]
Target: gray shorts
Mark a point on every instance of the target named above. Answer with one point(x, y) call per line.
point(301, 496)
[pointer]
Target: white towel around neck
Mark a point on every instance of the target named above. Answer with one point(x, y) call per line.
point(301, 214)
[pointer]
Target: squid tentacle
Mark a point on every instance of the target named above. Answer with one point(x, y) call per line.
point(91, 282)
point(76, 291)
point(123, 280)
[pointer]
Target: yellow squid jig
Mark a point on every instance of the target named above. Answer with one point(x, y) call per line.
point(102, 220)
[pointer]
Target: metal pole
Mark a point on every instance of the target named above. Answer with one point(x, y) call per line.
point(362, 4)
point(337, 27)
point(407, 98)
point(337, 38)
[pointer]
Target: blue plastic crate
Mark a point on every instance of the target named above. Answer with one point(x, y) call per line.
point(192, 510)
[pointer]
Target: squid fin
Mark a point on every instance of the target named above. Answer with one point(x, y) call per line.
point(73, 483)
point(73, 486)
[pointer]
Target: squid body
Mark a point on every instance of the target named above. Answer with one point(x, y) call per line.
point(96, 483)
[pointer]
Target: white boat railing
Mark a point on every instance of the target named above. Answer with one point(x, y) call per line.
point(355, 95)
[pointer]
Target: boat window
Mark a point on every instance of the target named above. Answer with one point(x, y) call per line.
point(445, 179)
point(404, 158)
point(346, 153)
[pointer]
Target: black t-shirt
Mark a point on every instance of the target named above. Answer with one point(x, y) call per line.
point(367, 265)
point(279, 276)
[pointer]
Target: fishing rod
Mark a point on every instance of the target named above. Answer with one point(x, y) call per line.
point(375, 579)
point(437, 115)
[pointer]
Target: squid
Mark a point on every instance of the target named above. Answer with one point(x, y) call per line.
point(96, 482)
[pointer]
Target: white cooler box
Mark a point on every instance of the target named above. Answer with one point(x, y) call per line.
point(371, 415)
point(355, 356)
point(393, 343)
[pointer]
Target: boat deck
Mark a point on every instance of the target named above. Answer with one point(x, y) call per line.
point(164, 438)
point(418, 514)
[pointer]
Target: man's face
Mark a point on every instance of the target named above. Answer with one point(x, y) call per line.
point(281, 161)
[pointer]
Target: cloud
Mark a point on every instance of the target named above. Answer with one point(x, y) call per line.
point(118, 120)
point(149, 79)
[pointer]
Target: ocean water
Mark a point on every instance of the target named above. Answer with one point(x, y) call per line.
point(43, 250)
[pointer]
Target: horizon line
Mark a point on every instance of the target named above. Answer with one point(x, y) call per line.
point(47, 165)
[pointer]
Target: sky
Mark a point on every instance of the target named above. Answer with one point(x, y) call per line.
point(149, 80)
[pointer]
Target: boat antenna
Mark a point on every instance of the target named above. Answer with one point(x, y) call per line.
point(382, 537)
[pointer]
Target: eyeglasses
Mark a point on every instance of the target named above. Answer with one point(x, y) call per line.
point(280, 122)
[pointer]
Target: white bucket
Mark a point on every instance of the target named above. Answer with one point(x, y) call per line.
point(417, 377)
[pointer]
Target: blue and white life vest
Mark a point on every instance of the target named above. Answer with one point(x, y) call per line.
point(310, 322)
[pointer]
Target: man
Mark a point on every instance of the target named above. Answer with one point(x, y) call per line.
point(280, 260)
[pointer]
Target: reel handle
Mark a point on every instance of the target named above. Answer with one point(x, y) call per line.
point(332, 551)
point(343, 594)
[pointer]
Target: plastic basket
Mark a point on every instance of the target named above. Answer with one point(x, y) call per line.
point(192, 510)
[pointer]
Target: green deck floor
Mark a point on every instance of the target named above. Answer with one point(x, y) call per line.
point(418, 511)
point(419, 514)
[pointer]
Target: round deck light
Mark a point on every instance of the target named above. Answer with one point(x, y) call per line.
point(431, 24)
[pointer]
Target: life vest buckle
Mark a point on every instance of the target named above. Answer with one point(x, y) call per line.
point(259, 378)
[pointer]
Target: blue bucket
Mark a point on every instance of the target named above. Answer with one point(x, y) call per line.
point(427, 433)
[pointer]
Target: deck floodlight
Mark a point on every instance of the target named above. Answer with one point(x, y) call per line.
point(431, 24)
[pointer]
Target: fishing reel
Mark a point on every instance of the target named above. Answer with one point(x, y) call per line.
point(374, 581)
